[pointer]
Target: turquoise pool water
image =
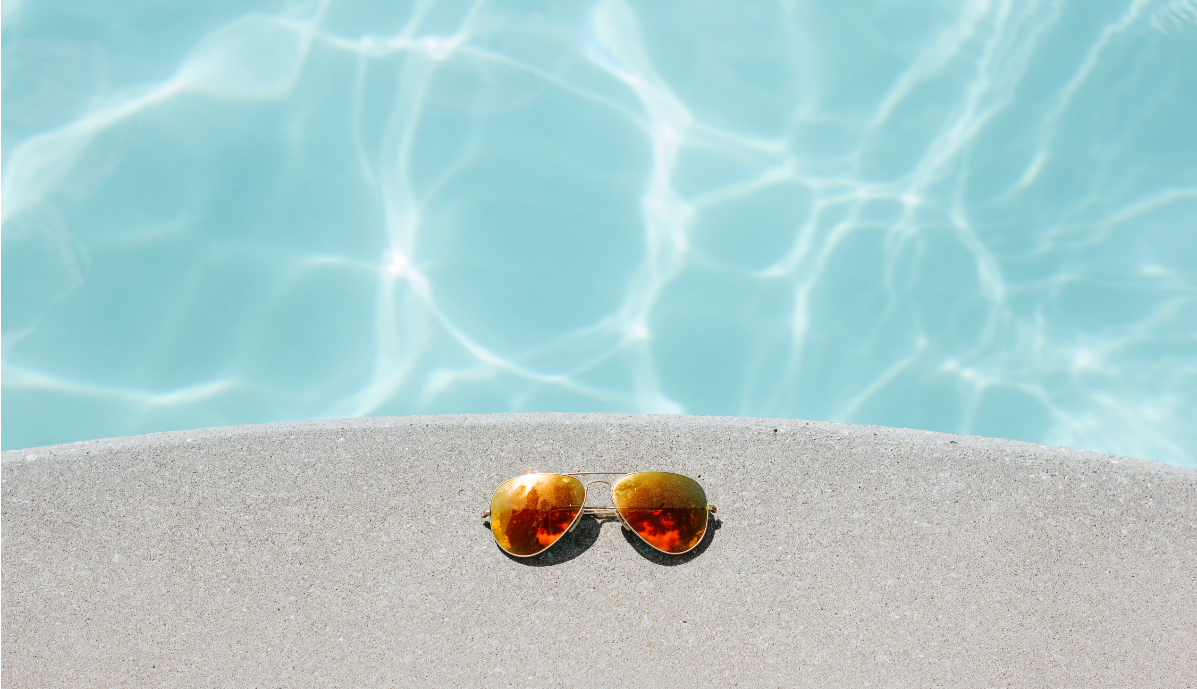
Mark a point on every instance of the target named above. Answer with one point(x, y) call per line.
point(976, 217)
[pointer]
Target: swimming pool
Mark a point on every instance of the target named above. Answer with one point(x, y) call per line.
point(975, 217)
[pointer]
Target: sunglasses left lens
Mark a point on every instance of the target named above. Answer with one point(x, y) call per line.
point(668, 511)
point(528, 514)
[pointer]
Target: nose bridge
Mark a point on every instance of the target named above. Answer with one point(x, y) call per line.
point(600, 511)
point(590, 483)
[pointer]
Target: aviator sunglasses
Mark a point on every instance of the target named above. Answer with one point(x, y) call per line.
point(528, 514)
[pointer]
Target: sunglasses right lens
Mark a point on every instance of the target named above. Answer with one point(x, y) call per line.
point(668, 511)
point(528, 514)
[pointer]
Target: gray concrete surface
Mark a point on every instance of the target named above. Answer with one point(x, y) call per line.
point(350, 554)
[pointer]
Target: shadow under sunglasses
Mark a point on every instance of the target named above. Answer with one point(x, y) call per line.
point(586, 534)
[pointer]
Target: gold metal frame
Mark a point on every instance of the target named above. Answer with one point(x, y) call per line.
point(605, 511)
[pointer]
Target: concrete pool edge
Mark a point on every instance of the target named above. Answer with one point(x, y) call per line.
point(913, 435)
point(92, 541)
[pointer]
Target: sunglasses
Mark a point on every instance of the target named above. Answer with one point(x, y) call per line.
point(667, 511)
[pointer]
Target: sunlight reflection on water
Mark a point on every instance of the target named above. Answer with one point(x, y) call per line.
point(970, 217)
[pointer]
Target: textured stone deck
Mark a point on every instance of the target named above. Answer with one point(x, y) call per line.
point(350, 554)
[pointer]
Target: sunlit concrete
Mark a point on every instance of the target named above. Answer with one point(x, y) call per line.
point(351, 553)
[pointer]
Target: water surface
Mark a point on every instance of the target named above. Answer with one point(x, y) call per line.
point(976, 217)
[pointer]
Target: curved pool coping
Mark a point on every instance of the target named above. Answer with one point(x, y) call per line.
point(351, 553)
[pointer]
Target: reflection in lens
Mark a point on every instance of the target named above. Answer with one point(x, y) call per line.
point(528, 514)
point(668, 511)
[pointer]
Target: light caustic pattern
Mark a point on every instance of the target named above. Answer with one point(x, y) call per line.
point(963, 216)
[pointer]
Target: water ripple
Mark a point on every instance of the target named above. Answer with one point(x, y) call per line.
point(972, 217)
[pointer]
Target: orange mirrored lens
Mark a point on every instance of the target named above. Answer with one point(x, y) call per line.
point(668, 511)
point(528, 514)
